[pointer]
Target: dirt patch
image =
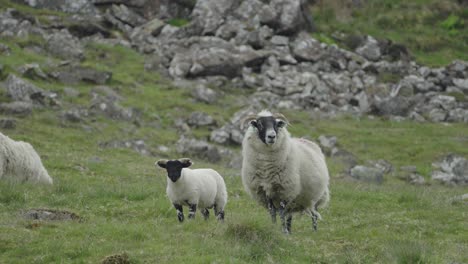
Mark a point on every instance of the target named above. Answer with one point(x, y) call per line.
point(116, 259)
point(50, 215)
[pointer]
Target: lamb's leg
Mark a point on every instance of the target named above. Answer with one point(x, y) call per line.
point(272, 209)
point(180, 212)
point(192, 211)
point(314, 220)
point(205, 213)
point(219, 214)
point(285, 223)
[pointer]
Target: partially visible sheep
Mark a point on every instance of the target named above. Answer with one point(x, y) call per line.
point(202, 188)
point(19, 162)
point(281, 172)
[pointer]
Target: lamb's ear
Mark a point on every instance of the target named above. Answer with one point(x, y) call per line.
point(186, 162)
point(161, 163)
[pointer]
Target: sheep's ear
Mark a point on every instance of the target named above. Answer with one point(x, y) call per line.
point(254, 123)
point(161, 163)
point(186, 162)
point(281, 120)
point(248, 120)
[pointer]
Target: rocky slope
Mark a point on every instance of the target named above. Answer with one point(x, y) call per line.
point(262, 47)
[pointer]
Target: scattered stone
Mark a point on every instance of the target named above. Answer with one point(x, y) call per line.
point(204, 94)
point(198, 148)
point(75, 115)
point(32, 71)
point(63, 45)
point(113, 109)
point(71, 92)
point(452, 170)
point(383, 165)
point(8, 123)
point(69, 6)
point(198, 119)
point(21, 90)
point(4, 50)
point(416, 179)
point(75, 74)
point(370, 50)
point(327, 143)
point(50, 215)
point(138, 145)
point(367, 174)
point(16, 108)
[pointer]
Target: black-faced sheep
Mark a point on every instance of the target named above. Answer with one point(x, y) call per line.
point(19, 162)
point(282, 172)
point(202, 188)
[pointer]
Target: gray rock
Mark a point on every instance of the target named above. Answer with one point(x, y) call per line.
point(291, 16)
point(137, 145)
point(71, 92)
point(458, 115)
point(327, 143)
point(151, 28)
point(198, 119)
point(124, 14)
point(220, 136)
point(398, 105)
point(21, 90)
point(69, 6)
point(367, 174)
point(306, 48)
point(65, 46)
point(461, 83)
point(416, 179)
point(452, 170)
point(381, 164)
point(198, 148)
point(75, 74)
point(4, 49)
point(112, 109)
point(437, 115)
point(7, 123)
point(208, 15)
point(370, 50)
point(75, 115)
point(205, 94)
point(16, 108)
point(32, 71)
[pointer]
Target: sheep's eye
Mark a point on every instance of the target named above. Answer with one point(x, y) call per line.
point(281, 124)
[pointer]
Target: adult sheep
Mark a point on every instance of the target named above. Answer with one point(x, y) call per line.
point(282, 172)
point(203, 188)
point(19, 162)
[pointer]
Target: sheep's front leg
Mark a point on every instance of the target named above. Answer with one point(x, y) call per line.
point(192, 211)
point(219, 213)
point(286, 217)
point(272, 209)
point(205, 213)
point(180, 212)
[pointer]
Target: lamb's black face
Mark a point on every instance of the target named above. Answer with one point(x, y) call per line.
point(267, 128)
point(174, 167)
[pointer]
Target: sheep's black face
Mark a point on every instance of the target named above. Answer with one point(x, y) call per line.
point(267, 128)
point(174, 167)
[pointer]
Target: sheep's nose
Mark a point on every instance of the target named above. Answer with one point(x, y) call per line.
point(271, 136)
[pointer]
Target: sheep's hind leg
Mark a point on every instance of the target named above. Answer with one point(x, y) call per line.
point(192, 211)
point(272, 209)
point(180, 212)
point(219, 214)
point(286, 218)
point(205, 213)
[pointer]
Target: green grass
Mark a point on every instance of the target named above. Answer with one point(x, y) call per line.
point(120, 195)
point(436, 32)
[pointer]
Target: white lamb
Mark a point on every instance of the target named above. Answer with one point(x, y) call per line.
point(203, 188)
point(19, 162)
point(281, 172)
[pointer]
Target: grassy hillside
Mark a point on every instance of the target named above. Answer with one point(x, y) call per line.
point(120, 195)
point(436, 32)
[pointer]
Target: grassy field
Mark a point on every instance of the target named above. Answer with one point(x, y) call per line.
point(120, 195)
